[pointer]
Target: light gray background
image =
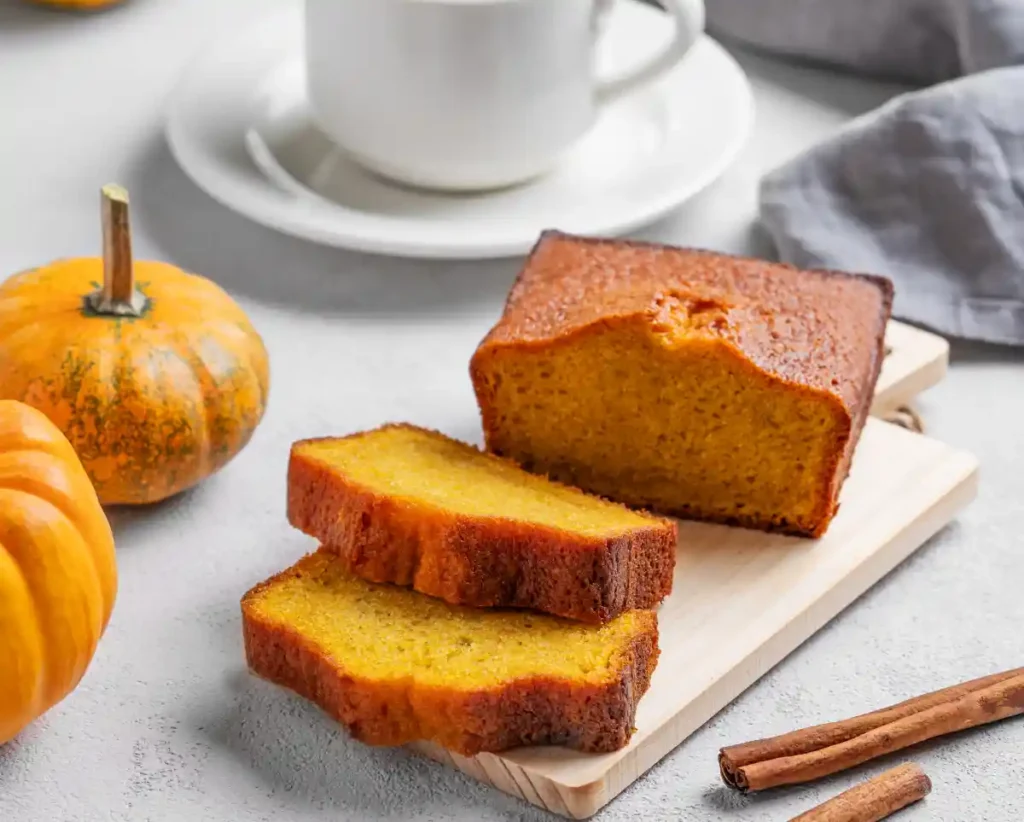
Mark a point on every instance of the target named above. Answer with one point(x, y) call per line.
point(168, 726)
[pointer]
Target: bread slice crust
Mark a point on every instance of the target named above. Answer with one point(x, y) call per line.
point(585, 716)
point(480, 561)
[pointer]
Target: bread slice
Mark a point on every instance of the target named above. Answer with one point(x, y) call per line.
point(395, 666)
point(692, 383)
point(405, 505)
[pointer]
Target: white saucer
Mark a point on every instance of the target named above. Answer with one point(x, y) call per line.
point(240, 127)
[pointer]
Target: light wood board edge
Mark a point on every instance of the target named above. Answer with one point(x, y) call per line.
point(522, 783)
point(951, 487)
point(916, 361)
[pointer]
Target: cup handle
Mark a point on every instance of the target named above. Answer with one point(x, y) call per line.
point(689, 20)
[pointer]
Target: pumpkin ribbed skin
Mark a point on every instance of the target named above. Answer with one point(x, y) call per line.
point(152, 404)
point(58, 577)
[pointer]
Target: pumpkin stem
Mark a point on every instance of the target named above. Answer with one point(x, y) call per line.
point(118, 296)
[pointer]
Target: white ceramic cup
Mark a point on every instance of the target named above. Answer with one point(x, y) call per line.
point(467, 94)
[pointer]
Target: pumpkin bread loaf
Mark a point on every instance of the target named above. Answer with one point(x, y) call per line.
point(409, 506)
point(395, 666)
point(694, 383)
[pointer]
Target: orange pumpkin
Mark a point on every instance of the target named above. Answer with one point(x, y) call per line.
point(58, 578)
point(155, 376)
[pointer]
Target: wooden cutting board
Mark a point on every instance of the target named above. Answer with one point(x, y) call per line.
point(743, 600)
point(914, 360)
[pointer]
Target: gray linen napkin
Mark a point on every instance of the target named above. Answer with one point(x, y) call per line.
point(927, 190)
point(921, 41)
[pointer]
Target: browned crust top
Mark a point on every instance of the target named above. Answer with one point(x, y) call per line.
point(809, 327)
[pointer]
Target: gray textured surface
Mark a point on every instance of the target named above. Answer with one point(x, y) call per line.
point(167, 725)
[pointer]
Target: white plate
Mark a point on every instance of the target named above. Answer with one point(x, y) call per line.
point(240, 127)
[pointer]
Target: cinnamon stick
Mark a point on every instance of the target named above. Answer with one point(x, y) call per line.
point(875, 799)
point(811, 753)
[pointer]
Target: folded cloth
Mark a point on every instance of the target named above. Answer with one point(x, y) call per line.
point(920, 41)
point(927, 190)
